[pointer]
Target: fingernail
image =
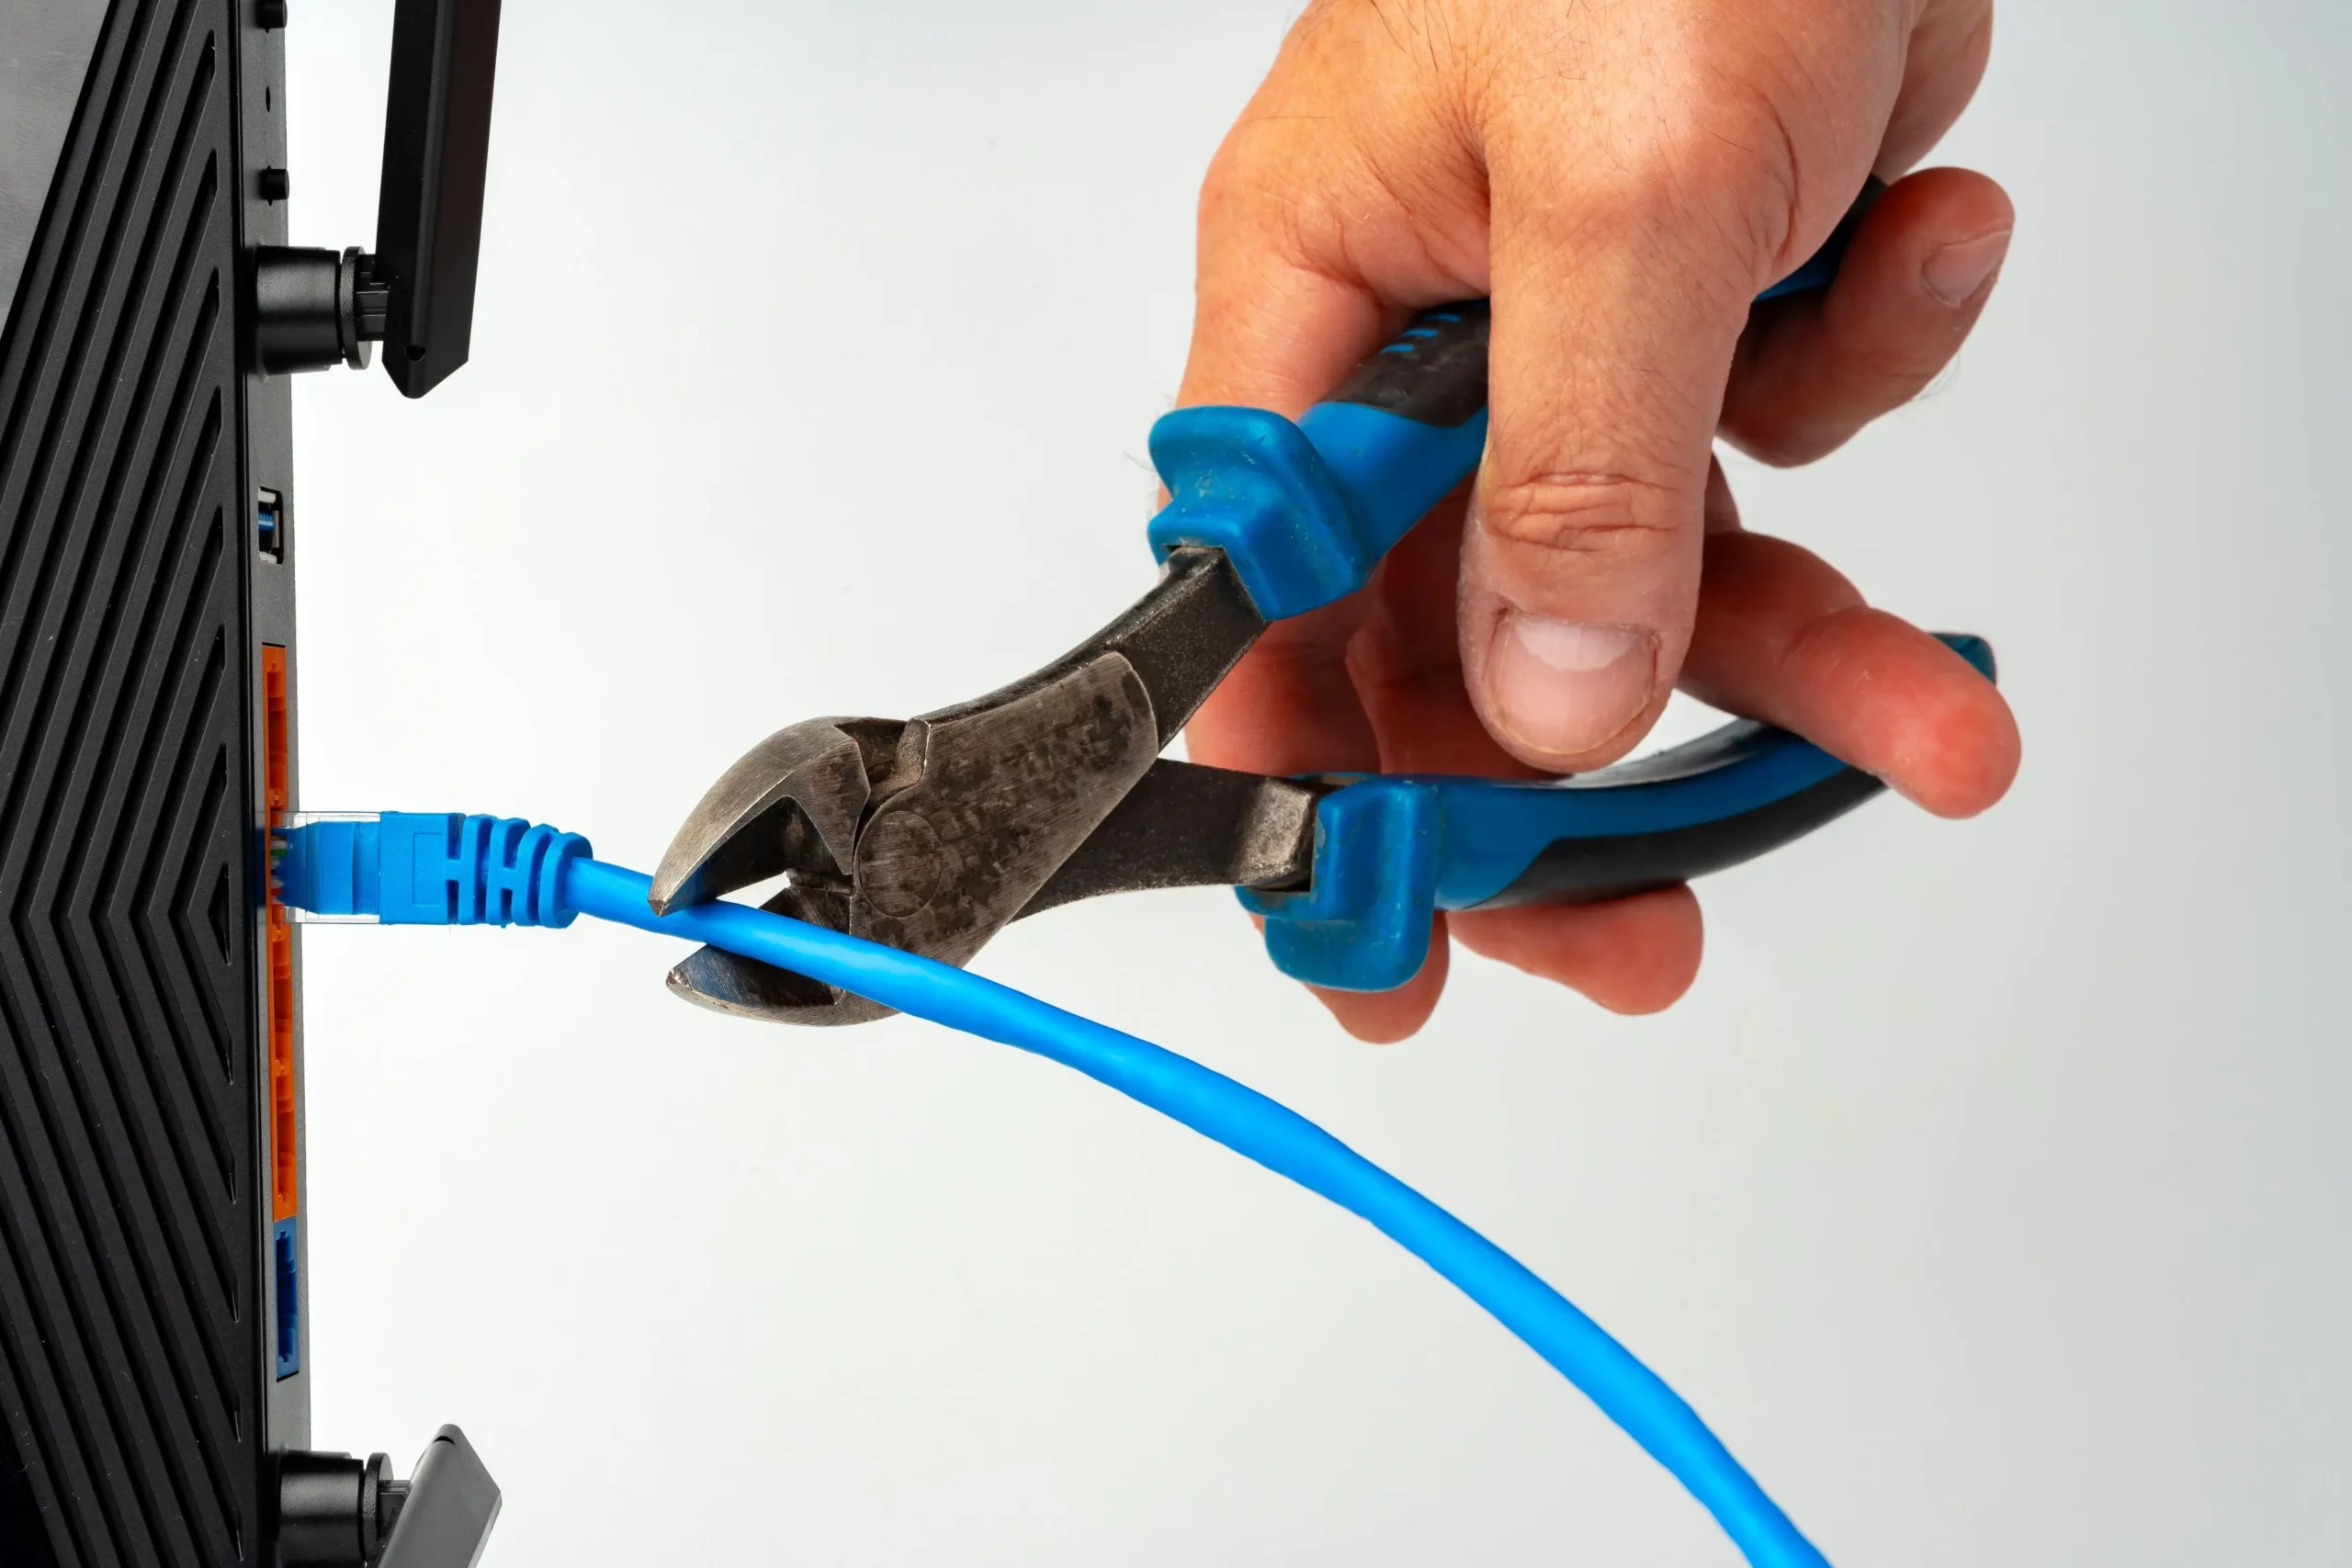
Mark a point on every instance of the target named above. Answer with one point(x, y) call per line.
point(1564, 687)
point(1954, 273)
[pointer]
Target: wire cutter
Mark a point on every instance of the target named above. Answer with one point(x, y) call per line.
point(931, 834)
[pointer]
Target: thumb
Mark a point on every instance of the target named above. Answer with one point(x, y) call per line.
point(1615, 319)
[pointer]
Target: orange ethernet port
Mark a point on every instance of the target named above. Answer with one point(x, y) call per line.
point(284, 1192)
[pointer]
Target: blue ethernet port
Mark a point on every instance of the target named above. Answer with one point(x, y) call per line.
point(289, 1300)
point(270, 522)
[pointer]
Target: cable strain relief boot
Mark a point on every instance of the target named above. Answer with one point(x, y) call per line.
point(408, 868)
point(474, 871)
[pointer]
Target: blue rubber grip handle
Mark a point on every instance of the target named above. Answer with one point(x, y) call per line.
point(1392, 850)
point(1305, 510)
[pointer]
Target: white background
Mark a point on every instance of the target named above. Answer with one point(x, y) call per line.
point(1989, 1193)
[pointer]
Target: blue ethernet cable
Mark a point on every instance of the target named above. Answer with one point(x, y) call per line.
point(436, 869)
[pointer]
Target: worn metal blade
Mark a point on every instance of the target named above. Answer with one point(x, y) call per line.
point(726, 982)
point(933, 835)
point(1000, 796)
point(742, 830)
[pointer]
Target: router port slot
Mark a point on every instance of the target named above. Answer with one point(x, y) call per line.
point(270, 522)
point(277, 776)
point(286, 1270)
point(285, 1195)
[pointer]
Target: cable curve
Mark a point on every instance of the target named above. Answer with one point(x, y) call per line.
point(1262, 1130)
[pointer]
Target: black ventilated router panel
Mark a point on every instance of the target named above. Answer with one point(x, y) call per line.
point(133, 1381)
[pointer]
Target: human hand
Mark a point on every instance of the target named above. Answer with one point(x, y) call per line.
point(1621, 180)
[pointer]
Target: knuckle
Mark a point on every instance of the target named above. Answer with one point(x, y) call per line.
point(1241, 178)
point(1715, 195)
point(1584, 513)
point(1739, 172)
point(1772, 180)
point(1729, 158)
point(1247, 209)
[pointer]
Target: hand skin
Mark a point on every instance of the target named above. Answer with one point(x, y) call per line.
point(1623, 178)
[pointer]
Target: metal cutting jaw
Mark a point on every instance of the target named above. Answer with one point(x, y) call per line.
point(934, 833)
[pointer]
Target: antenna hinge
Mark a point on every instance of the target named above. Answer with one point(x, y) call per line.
point(313, 310)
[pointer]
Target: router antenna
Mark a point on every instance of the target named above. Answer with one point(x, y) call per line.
point(313, 308)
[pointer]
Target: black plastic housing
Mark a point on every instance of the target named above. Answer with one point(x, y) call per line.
point(140, 1404)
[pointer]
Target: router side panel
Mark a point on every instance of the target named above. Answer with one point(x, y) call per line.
point(269, 557)
point(136, 1376)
